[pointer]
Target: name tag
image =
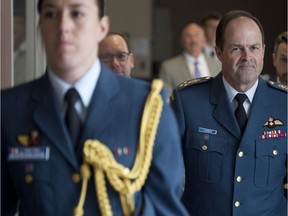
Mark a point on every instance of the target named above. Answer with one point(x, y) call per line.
point(207, 131)
point(28, 153)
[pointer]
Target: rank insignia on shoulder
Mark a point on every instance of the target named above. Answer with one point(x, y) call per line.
point(194, 81)
point(278, 85)
point(271, 123)
point(31, 139)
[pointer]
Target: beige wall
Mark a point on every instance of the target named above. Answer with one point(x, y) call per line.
point(134, 18)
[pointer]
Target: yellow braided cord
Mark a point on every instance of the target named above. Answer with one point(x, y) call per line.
point(123, 180)
point(86, 174)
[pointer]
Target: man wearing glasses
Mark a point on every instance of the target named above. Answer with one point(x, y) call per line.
point(115, 53)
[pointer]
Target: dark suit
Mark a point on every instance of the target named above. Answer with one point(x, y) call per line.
point(227, 174)
point(50, 186)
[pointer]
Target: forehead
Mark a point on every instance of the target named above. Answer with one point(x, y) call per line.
point(242, 29)
point(193, 29)
point(114, 42)
point(69, 3)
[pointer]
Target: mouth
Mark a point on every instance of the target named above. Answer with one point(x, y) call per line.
point(64, 45)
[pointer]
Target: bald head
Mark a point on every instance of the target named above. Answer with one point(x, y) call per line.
point(114, 52)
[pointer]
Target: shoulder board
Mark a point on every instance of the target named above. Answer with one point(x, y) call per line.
point(194, 81)
point(277, 85)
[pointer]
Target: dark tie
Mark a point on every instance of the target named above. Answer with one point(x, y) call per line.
point(72, 118)
point(197, 73)
point(240, 112)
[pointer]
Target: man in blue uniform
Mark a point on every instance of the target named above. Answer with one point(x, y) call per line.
point(121, 133)
point(234, 148)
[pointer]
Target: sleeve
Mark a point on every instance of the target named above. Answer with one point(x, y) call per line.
point(162, 191)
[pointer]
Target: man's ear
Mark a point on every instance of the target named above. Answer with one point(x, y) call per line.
point(218, 53)
point(104, 24)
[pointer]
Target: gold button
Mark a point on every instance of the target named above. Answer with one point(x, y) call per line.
point(239, 179)
point(241, 154)
point(237, 204)
point(28, 178)
point(76, 178)
point(204, 147)
point(275, 152)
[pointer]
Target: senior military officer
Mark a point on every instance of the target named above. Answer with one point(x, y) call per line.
point(234, 167)
point(41, 153)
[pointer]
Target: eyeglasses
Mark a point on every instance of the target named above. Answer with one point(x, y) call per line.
point(120, 56)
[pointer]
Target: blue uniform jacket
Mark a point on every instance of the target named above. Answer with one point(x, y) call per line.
point(226, 174)
point(50, 185)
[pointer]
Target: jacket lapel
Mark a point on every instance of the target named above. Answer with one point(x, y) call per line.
point(47, 117)
point(223, 112)
point(101, 112)
point(261, 110)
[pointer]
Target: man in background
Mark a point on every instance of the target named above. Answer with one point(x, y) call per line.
point(114, 51)
point(280, 57)
point(192, 63)
point(209, 24)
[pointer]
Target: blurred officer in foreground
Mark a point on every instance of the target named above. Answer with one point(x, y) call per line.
point(280, 57)
point(70, 142)
point(114, 51)
point(234, 129)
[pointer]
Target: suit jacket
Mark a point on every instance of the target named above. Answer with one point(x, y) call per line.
point(49, 185)
point(226, 173)
point(175, 70)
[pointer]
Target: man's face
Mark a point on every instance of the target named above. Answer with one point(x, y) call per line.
point(193, 39)
point(210, 30)
point(242, 54)
point(113, 52)
point(71, 31)
point(280, 62)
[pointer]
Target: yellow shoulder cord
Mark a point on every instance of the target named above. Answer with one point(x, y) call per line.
point(124, 181)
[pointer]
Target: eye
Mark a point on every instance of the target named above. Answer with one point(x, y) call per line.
point(122, 56)
point(235, 49)
point(255, 48)
point(77, 14)
point(283, 60)
point(50, 14)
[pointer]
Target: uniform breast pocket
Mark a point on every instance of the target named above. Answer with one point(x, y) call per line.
point(205, 154)
point(34, 182)
point(270, 166)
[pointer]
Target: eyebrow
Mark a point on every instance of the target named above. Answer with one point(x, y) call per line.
point(52, 6)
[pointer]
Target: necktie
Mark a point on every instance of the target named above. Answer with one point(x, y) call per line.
point(197, 73)
point(72, 118)
point(240, 112)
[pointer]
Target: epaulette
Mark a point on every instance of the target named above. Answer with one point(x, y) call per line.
point(194, 81)
point(278, 85)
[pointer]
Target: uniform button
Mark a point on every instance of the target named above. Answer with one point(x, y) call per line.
point(76, 178)
point(239, 179)
point(241, 154)
point(28, 178)
point(237, 204)
point(204, 147)
point(275, 152)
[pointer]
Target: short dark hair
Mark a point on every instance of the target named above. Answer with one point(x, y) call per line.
point(100, 3)
point(211, 16)
point(280, 38)
point(229, 17)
